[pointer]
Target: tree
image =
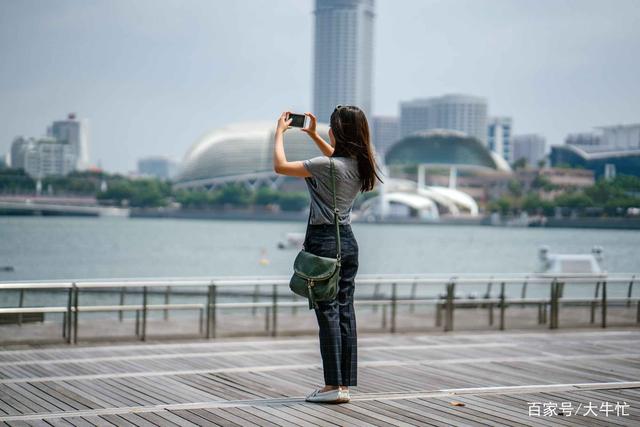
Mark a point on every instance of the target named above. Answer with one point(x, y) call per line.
point(515, 187)
point(521, 163)
point(266, 196)
point(293, 201)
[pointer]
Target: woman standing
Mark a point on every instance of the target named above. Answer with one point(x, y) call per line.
point(352, 153)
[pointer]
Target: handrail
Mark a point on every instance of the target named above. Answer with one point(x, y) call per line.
point(448, 302)
point(404, 279)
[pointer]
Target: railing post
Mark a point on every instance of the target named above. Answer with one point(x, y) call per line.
point(592, 317)
point(490, 307)
point(75, 313)
point(21, 305)
point(502, 308)
point(255, 299)
point(200, 321)
point(524, 289)
point(414, 285)
point(448, 319)
point(167, 294)
point(630, 290)
point(384, 316)
point(138, 323)
point(394, 307)
point(123, 291)
point(211, 311)
point(143, 334)
point(540, 314)
point(274, 310)
point(552, 305)
point(487, 294)
point(604, 303)
point(376, 291)
point(68, 314)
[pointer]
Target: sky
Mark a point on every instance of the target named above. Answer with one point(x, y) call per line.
point(153, 76)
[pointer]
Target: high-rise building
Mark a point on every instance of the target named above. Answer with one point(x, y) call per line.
point(49, 156)
point(43, 157)
point(18, 153)
point(464, 113)
point(530, 147)
point(499, 131)
point(343, 56)
point(75, 133)
point(385, 131)
point(158, 167)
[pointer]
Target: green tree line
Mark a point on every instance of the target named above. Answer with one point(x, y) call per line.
point(606, 197)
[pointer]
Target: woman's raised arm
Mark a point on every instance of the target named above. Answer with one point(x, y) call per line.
point(280, 163)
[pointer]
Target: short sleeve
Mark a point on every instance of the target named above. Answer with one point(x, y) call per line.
point(317, 166)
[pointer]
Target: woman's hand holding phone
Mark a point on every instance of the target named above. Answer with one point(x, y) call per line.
point(313, 121)
point(283, 122)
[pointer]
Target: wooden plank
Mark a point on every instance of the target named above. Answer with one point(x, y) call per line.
point(192, 417)
point(173, 418)
point(395, 413)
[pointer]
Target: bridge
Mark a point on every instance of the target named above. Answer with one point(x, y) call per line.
point(44, 205)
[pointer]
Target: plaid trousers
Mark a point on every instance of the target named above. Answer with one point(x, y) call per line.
point(337, 318)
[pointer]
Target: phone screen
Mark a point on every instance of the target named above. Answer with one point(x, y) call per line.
point(297, 120)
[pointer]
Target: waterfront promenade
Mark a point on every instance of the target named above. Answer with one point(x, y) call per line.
point(439, 379)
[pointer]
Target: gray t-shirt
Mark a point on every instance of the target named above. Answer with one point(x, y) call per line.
point(347, 187)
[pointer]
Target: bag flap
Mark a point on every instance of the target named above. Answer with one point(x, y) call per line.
point(314, 267)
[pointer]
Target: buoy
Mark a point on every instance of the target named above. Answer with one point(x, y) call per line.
point(263, 259)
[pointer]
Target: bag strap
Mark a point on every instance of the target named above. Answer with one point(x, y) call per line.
point(335, 207)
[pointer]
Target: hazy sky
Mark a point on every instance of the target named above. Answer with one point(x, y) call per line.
point(154, 75)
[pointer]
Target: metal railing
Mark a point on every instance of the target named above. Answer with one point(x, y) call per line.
point(210, 289)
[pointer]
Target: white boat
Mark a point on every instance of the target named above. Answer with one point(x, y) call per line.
point(553, 263)
point(292, 241)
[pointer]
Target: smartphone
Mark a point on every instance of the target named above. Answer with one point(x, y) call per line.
point(298, 120)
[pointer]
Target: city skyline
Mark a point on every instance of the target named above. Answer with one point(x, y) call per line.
point(154, 89)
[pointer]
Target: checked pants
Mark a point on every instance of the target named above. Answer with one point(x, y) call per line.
point(337, 318)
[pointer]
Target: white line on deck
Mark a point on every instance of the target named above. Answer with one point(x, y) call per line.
point(422, 394)
point(246, 352)
point(220, 342)
point(268, 368)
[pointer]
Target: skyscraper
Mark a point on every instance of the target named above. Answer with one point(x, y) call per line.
point(74, 132)
point(385, 132)
point(464, 113)
point(499, 133)
point(343, 56)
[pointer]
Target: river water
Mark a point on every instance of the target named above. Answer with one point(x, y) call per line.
point(47, 248)
point(76, 248)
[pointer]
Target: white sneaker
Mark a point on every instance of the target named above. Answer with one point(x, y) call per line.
point(331, 396)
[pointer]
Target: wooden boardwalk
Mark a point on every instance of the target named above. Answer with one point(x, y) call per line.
point(414, 379)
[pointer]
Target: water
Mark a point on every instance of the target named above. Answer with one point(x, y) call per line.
point(42, 248)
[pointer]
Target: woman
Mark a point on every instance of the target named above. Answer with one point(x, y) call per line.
point(354, 163)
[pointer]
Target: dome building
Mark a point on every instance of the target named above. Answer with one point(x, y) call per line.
point(243, 152)
point(443, 148)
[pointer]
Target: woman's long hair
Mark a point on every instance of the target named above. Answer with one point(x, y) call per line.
point(351, 132)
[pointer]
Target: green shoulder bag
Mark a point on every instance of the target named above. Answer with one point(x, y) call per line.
point(316, 277)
